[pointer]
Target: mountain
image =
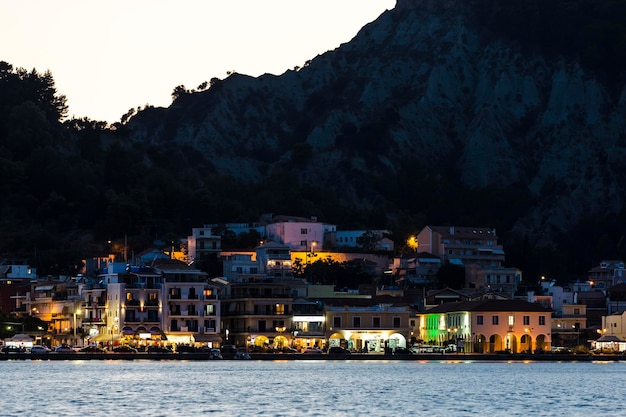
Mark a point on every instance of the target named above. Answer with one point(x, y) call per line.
point(478, 112)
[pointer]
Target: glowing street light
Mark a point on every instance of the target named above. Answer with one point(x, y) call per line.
point(76, 312)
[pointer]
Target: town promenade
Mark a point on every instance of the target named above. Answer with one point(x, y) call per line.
point(55, 356)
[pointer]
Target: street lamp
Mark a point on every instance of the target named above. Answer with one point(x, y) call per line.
point(75, 313)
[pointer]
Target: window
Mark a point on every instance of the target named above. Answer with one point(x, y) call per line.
point(411, 323)
point(511, 320)
point(303, 231)
point(208, 292)
point(479, 320)
point(280, 309)
point(376, 322)
point(526, 320)
point(336, 321)
point(209, 310)
point(495, 320)
point(356, 322)
point(542, 320)
point(577, 311)
point(209, 325)
point(303, 243)
point(396, 322)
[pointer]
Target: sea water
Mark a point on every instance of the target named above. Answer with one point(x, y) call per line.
point(311, 388)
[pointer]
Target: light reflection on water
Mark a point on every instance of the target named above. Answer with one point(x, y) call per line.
point(311, 388)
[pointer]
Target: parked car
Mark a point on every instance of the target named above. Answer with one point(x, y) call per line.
point(92, 349)
point(64, 349)
point(228, 349)
point(158, 349)
point(124, 349)
point(215, 354)
point(287, 349)
point(39, 350)
point(185, 349)
point(337, 350)
point(402, 351)
point(13, 349)
point(242, 353)
point(312, 351)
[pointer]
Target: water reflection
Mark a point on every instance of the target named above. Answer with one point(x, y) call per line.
point(311, 388)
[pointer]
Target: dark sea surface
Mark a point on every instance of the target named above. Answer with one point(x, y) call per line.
point(311, 388)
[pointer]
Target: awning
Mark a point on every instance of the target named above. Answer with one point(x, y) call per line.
point(105, 337)
point(201, 338)
point(20, 337)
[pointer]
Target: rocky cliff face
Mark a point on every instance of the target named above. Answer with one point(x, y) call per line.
point(423, 85)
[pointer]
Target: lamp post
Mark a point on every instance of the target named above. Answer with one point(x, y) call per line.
point(75, 313)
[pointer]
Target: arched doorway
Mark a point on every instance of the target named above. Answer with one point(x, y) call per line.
point(542, 344)
point(335, 339)
point(397, 340)
point(510, 343)
point(479, 343)
point(526, 344)
point(495, 343)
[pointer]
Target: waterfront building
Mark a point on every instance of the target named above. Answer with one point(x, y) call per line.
point(190, 305)
point(59, 304)
point(257, 303)
point(488, 326)
point(368, 327)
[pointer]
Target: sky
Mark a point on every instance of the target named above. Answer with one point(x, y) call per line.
point(107, 57)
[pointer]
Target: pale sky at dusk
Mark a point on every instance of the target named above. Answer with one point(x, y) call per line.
point(109, 56)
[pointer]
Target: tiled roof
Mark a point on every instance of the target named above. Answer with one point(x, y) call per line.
point(489, 305)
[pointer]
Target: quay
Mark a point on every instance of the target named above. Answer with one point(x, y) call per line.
point(57, 356)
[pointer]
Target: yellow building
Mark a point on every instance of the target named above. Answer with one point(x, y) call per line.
point(488, 326)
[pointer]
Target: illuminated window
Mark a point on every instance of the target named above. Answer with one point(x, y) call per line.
point(208, 292)
point(280, 309)
point(129, 296)
point(511, 320)
point(209, 309)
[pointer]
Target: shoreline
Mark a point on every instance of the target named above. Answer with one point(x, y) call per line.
point(286, 357)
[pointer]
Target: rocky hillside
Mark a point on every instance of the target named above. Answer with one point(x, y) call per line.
point(425, 100)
